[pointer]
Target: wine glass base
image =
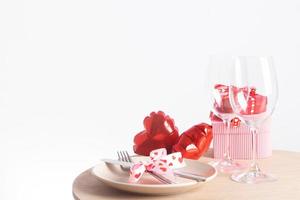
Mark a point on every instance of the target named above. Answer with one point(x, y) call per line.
point(228, 166)
point(253, 177)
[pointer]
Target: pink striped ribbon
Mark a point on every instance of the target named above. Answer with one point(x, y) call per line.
point(240, 141)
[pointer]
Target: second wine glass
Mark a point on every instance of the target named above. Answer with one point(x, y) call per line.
point(253, 97)
point(218, 81)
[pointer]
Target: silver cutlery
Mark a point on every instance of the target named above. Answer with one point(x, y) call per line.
point(183, 174)
point(125, 161)
point(124, 165)
point(124, 157)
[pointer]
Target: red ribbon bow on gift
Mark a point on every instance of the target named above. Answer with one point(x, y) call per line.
point(159, 163)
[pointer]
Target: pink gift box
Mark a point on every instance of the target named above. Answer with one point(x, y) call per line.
point(240, 141)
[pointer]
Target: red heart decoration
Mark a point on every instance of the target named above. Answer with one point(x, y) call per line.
point(160, 132)
point(138, 175)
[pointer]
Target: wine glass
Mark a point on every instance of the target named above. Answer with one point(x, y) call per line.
point(253, 97)
point(218, 80)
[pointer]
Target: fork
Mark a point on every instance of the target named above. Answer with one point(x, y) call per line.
point(124, 156)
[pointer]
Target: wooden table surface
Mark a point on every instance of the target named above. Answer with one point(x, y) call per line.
point(284, 165)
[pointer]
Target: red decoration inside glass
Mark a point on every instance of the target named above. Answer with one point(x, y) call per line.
point(251, 102)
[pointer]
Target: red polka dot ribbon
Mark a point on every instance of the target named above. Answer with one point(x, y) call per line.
point(159, 163)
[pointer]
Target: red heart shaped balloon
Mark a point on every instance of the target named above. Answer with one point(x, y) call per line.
point(160, 132)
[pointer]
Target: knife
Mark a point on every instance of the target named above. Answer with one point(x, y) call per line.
point(118, 162)
point(182, 174)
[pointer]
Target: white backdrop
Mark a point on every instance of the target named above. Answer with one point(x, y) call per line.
point(78, 77)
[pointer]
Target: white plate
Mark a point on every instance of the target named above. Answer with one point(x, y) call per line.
point(113, 176)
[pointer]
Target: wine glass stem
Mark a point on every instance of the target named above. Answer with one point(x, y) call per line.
point(226, 155)
point(254, 165)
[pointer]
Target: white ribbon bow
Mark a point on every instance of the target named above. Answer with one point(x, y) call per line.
point(159, 163)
